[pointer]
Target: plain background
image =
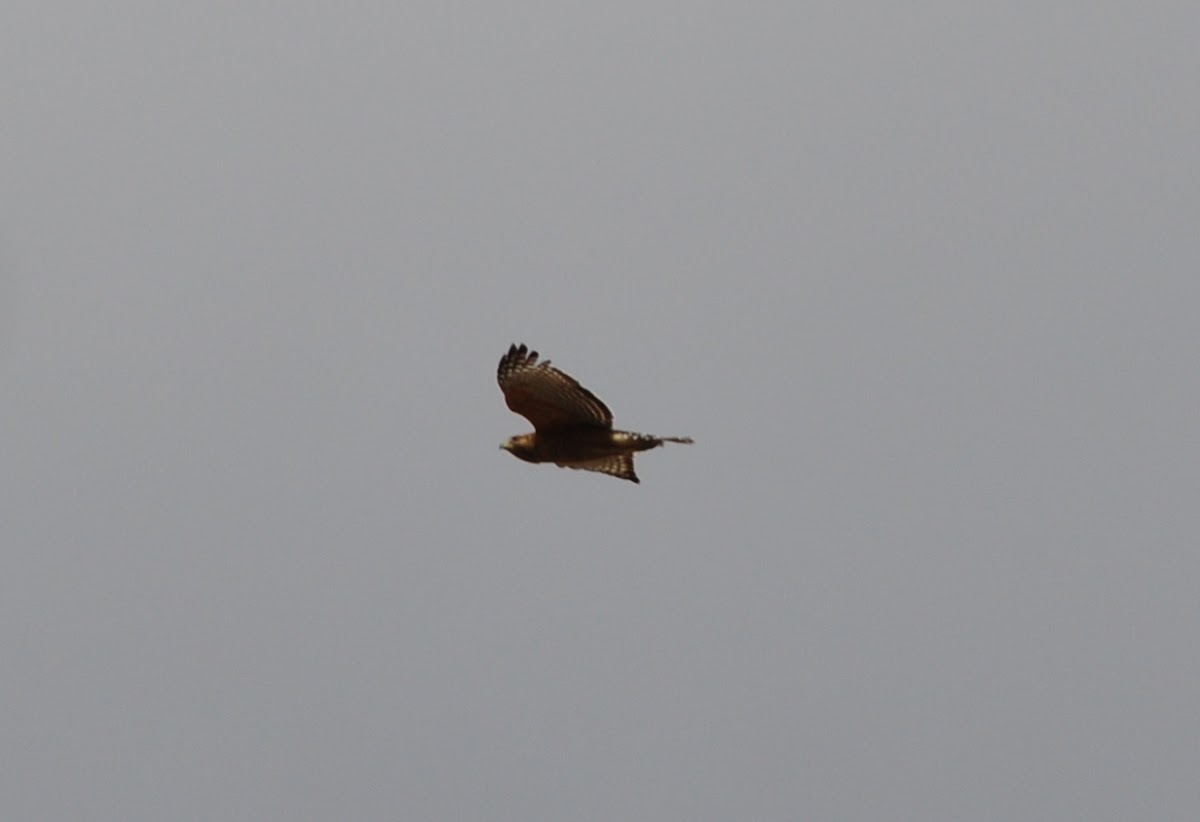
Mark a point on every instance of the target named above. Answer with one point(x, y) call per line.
point(920, 278)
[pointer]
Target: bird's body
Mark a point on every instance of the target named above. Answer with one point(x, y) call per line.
point(572, 427)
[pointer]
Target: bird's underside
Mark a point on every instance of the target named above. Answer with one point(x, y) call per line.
point(573, 428)
point(588, 448)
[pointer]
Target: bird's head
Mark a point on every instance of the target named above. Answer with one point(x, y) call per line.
point(520, 446)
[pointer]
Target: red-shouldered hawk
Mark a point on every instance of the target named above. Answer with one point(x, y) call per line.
point(572, 428)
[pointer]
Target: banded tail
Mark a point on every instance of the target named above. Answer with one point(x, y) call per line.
point(644, 442)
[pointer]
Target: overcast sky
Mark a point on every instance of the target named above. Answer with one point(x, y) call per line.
point(922, 280)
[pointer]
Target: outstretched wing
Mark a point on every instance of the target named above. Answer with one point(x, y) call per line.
point(545, 396)
point(618, 465)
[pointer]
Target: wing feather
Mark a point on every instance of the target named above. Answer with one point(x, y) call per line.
point(619, 465)
point(545, 396)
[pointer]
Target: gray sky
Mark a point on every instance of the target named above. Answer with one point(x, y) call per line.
point(921, 279)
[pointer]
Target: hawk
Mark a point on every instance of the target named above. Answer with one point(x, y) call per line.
point(572, 428)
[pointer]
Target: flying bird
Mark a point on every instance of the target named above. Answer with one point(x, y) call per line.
point(572, 427)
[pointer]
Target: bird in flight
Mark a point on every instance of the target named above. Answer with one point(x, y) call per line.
point(572, 427)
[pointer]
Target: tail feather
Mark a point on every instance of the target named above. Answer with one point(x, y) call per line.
point(644, 442)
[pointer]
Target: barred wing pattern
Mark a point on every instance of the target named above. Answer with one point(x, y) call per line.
point(620, 466)
point(547, 397)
